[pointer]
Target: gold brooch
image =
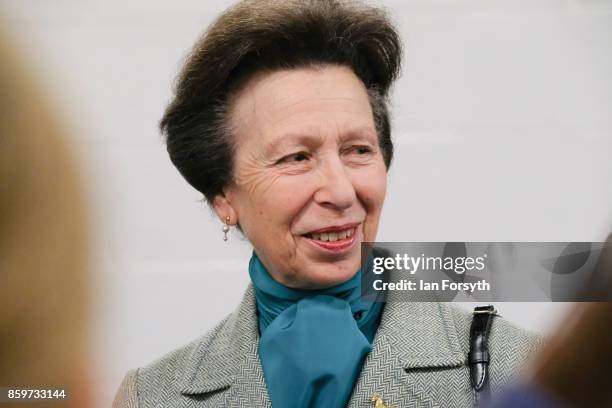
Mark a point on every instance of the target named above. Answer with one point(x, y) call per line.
point(378, 401)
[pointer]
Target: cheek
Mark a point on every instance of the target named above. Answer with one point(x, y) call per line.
point(372, 196)
point(275, 211)
point(373, 190)
point(264, 200)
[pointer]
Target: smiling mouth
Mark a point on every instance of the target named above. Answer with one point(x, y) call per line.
point(331, 236)
point(334, 241)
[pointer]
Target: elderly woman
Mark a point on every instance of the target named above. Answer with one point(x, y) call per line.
point(280, 120)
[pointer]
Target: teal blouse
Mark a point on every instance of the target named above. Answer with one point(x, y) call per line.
point(312, 342)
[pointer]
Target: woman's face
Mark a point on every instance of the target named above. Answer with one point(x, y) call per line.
point(310, 179)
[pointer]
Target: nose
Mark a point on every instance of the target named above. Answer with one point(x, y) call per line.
point(336, 190)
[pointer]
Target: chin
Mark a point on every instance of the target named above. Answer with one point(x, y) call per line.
point(330, 275)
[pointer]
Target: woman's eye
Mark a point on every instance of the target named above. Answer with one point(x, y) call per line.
point(295, 157)
point(300, 157)
point(361, 150)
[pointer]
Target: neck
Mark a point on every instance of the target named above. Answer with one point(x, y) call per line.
point(273, 297)
point(264, 282)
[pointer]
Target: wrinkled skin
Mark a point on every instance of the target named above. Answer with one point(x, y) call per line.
point(306, 158)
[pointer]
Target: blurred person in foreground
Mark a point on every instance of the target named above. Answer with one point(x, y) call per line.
point(280, 120)
point(574, 369)
point(44, 295)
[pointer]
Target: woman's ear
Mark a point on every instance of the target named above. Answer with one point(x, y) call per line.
point(224, 209)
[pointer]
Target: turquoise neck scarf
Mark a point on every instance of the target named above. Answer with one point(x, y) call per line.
point(313, 342)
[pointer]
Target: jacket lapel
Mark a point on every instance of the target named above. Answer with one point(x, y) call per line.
point(412, 337)
point(227, 367)
point(249, 389)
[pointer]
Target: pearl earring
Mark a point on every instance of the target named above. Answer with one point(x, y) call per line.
point(226, 228)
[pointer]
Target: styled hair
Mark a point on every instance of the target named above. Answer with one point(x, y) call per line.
point(271, 35)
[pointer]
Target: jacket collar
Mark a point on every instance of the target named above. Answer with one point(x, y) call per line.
point(422, 334)
point(415, 335)
point(217, 361)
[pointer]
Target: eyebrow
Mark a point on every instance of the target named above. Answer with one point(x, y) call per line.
point(363, 132)
point(293, 139)
point(308, 139)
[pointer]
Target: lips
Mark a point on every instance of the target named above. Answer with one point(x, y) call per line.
point(334, 228)
point(331, 236)
point(336, 238)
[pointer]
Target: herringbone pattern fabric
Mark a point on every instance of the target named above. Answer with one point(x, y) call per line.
point(418, 360)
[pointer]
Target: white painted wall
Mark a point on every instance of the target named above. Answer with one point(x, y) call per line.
point(501, 120)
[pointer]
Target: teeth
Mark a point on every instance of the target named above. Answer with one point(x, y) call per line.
point(332, 236)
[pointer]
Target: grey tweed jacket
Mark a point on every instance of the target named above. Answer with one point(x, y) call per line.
point(418, 359)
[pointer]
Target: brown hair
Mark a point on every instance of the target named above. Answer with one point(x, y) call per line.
point(43, 251)
point(259, 35)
